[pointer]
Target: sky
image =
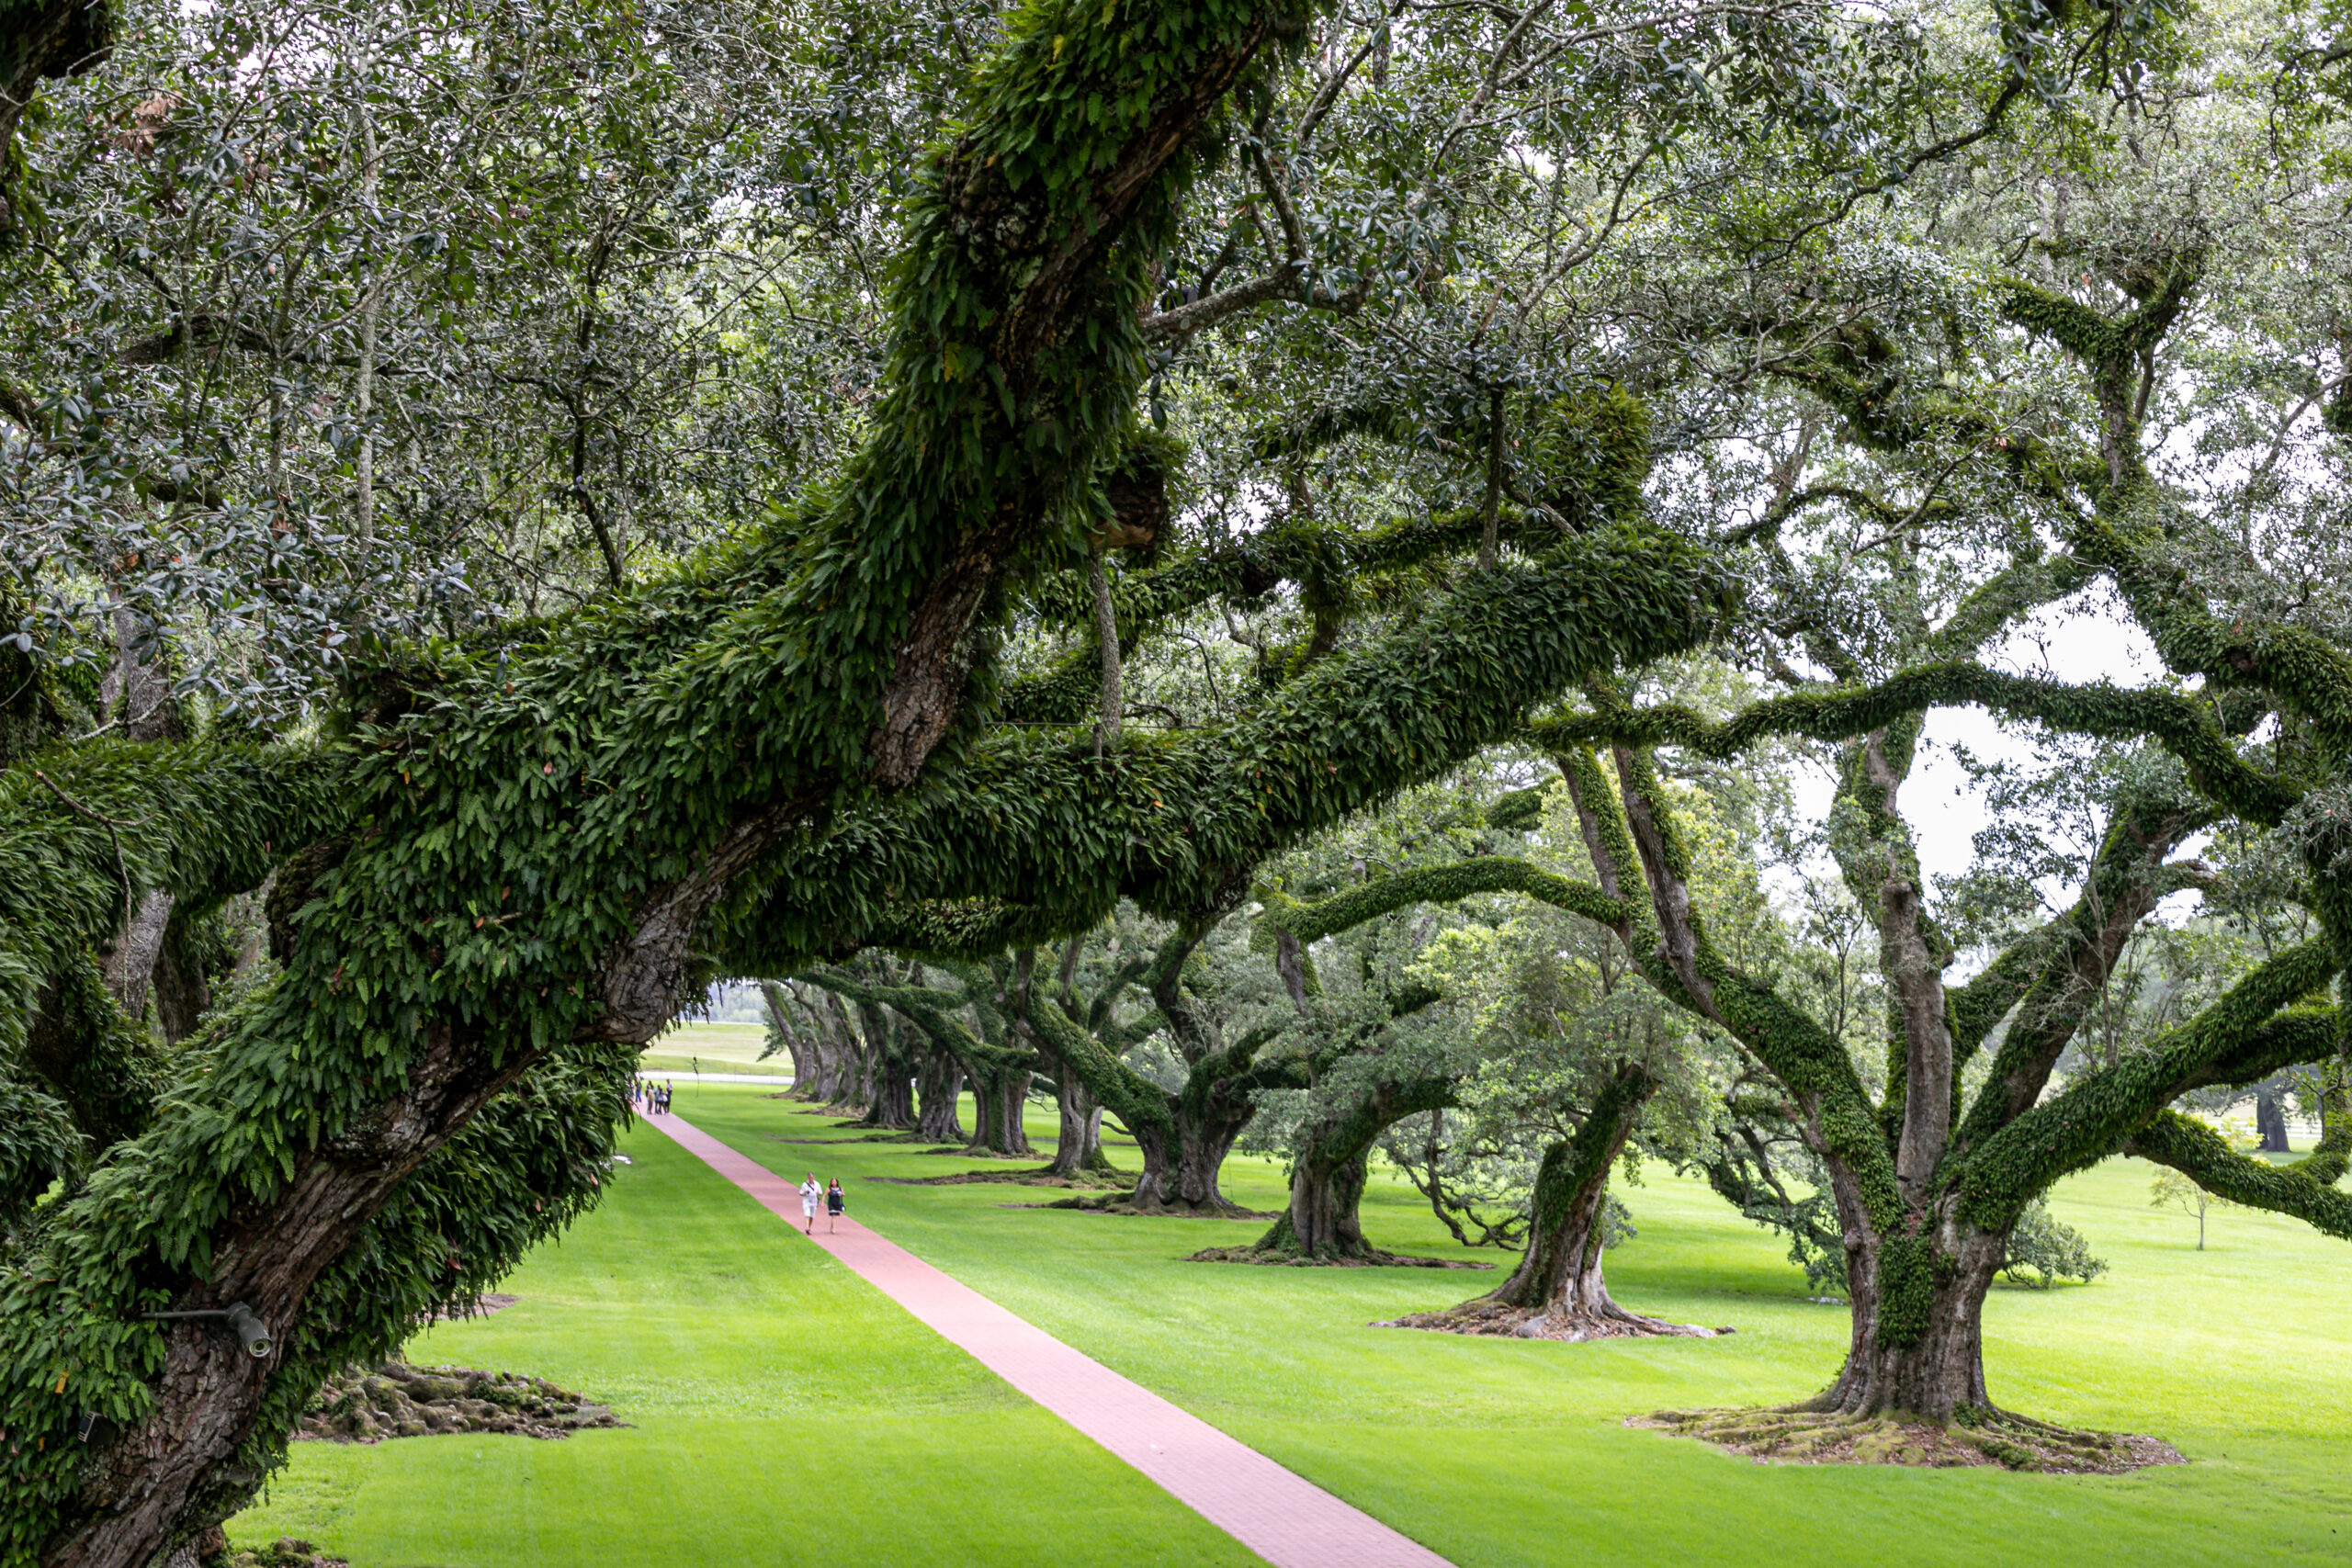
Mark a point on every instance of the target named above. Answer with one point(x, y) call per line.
point(2071, 643)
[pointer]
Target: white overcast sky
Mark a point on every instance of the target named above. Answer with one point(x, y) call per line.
point(2071, 643)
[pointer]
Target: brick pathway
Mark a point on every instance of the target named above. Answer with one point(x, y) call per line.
point(1282, 1517)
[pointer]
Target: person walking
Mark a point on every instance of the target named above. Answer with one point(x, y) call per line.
point(810, 1194)
point(834, 1203)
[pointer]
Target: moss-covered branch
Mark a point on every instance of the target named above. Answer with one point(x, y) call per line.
point(2179, 724)
point(2090, 1118)
point(1433, 885)
point(2205, 1157)
point(2048, 981)
point(1178, 822)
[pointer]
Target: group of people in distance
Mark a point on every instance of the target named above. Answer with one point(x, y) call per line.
point(813, 1192)
point(651, 1098)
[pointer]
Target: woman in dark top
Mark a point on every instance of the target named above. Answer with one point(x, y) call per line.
point(834, 1203)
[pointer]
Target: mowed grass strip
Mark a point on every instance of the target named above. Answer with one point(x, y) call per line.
point(1505, 1453)
point(786, 1412)
point(684, 1049)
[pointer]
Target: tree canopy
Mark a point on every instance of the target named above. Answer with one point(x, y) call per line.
point(512, 515)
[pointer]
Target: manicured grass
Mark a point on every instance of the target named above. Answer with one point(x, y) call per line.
point(1494, 1453)
point(785, 1414)
point(717, 1047)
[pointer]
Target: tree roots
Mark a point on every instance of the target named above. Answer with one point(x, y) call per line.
point(287, 1551)
point(1121, 1201)
point(1501, 1321)
point(1369, 1258)
point(1794, 1434)
point(396, 1400)
point(1123, 1181)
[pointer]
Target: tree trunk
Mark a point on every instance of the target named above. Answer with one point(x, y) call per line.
point(1000, 1099)
point(891, 1104)
point(1559, 1281)
point(127, 958)
point(1180, 1165)
point(1558, 1291)
point(853, 1087)
point(1322, 1219)
point(943, 1080)
point(1331, 1165)
point(1077, 1144)
point(2270, 1121)
point(773, 998)
point(1918, 1344)
point(181, 994)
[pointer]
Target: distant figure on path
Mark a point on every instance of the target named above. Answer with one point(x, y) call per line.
point(809, 1192)
point(834, 1204)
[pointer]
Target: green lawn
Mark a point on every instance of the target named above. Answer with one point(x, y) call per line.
point(714, 1048)
point(784, 1410)
point(712, 1327)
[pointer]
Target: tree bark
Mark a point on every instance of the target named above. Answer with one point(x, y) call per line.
point(127, 959)
point(2270, 1121)
point(943, 1079)
point(853, 1090)
point(1918, 1344)
point(182, 993)
point(210, 1390)
point(999, 1102)
point(1077, 1144)
point(1181, 1163)
point(1559, 1289)
point(1323, 1219)
point(773, 998)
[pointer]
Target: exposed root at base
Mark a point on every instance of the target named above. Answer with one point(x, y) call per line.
point(396, 1400)
point(973, 1151)
point(869, 1138)
point(286, 1552)
point(1792, 1435)
point(1371, 1258)
point(1495, 1320)
point(1036, 1175)
point(1121, 1201)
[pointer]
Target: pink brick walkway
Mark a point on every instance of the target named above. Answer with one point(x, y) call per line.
point(1282, 1518)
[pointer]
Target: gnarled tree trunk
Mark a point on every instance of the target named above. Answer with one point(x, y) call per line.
point(1558, 1291)
point(1000, 1102)
point(1181, 1163)
point(943, 1080)
point(1918, 1344)
point(1329, 1169)
point(1078, 1143)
